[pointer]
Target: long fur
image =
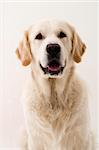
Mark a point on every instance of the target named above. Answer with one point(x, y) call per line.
point(57, 120)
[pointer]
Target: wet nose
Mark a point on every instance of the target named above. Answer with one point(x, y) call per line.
point(53, 49)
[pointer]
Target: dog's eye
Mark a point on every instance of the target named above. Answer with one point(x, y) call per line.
point(39, 36)
point(62, 35)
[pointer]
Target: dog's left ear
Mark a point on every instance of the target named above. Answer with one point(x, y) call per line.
point(78, 47)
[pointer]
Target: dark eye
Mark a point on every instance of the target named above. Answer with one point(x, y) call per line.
point(39, 36)
point(62, 35)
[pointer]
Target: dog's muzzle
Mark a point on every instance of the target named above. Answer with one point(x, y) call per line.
point(54, 66)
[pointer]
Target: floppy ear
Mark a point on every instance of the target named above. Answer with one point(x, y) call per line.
point(78, 48)
point(23, 51)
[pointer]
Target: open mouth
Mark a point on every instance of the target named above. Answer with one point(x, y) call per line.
point(53, 68)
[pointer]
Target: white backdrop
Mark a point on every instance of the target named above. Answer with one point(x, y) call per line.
point(15, 17)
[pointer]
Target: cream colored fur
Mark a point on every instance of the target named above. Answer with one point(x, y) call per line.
point(55, 109)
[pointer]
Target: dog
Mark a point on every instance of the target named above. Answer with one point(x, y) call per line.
point(55, 98)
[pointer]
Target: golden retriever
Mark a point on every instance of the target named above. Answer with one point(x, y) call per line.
point(54, 100)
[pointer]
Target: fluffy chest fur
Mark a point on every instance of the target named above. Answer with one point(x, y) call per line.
point(54, 115)
point(53, 105)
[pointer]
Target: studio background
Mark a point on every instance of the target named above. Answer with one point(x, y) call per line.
point(15, 17)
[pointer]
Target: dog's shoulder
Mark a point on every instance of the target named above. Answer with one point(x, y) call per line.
point(77, 91)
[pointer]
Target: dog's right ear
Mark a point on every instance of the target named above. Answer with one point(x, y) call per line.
point(23, 51)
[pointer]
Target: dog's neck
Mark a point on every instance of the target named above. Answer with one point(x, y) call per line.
point(51, 86)
point(53, 94)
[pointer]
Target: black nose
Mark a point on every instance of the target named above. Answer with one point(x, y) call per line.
point(53, 49)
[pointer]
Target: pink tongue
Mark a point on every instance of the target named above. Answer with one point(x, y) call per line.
point(53, 68)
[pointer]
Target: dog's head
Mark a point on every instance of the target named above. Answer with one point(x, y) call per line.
point(52, 46)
